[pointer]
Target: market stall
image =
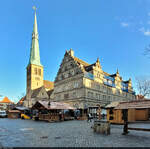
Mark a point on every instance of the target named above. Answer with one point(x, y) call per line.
point(52, 111)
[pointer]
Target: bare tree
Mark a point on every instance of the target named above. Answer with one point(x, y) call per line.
point(22, 95)
point(143, 86)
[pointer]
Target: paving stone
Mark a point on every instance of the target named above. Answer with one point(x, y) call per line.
point(67, 134)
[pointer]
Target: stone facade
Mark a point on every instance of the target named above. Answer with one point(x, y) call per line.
point(82, 84)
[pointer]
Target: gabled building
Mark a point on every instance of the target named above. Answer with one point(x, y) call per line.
point(83, 85)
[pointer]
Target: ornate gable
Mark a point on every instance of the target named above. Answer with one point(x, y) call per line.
point(69, 67)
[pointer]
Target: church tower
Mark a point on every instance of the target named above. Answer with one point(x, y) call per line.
point(34, 68)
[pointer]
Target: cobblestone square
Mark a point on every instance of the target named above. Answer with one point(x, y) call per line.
point(28, 133)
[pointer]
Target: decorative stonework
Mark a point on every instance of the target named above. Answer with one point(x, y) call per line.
point(80, 84)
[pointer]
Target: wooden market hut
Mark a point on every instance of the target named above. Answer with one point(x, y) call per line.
point(50, 111)
point(14, 114)
point(113, 116)
point(138, 110)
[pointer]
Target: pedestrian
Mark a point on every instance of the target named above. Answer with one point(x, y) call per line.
point(59, 116)
point(89, 117)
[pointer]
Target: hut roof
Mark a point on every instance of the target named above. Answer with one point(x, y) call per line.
point(14, 111)
point(21, 108)
point(113, 104)
point(55, 105)
point(135, 104)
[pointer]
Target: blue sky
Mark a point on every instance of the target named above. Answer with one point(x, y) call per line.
point(116, 31)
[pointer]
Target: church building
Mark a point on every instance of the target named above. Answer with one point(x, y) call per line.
point(37, 88)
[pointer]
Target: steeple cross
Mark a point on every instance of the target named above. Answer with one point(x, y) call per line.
point(34, 8)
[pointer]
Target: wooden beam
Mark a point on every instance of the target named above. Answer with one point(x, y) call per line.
point(139, 129)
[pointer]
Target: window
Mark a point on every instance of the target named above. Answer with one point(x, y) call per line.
point(67, 59)
point(69, 74)
point(96, 96)
point(108, 98)
point(118, 92)
point(66, 75)
point(66, 95)
point(39, 72)
point(76, 85)
point(91, 94)
point(74, 94)
point(37, 78)
point(97, 86)
point(65, 68)
point(35, 71)
point(104, 96)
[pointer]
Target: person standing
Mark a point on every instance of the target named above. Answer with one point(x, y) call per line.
point(60, 116)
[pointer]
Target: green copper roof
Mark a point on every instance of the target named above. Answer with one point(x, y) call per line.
point(34, 52)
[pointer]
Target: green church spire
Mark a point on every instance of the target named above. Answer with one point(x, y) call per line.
point(34, 52)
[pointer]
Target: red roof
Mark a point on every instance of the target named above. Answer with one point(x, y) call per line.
point(6, 100)
point(22, 99)
point(48, 84)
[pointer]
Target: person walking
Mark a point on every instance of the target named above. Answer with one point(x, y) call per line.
point(89, 117)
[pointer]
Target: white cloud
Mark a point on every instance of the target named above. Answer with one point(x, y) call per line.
point(147, 33)
point(124, 24)
point(144, 31)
